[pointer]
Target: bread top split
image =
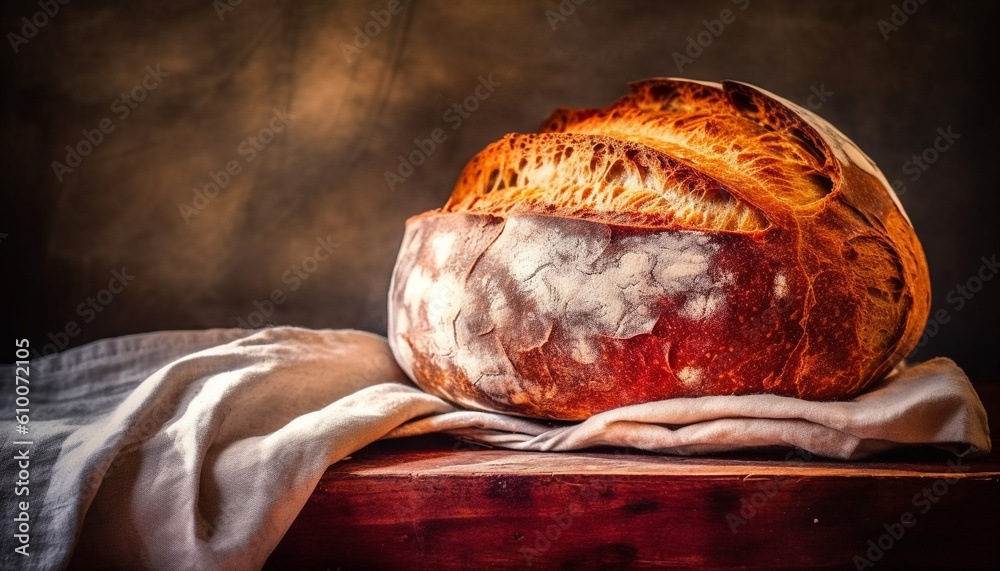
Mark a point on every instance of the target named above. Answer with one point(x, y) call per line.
point(673, 154)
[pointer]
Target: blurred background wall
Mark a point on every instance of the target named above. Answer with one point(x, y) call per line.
point(295, 111)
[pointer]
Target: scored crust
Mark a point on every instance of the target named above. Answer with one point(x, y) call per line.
point(690, 239)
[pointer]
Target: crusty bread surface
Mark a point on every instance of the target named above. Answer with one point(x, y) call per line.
point(690, 239)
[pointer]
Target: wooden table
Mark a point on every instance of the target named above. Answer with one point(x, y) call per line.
point(433, 502)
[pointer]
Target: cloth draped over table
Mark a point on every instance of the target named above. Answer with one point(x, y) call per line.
point(197, 449)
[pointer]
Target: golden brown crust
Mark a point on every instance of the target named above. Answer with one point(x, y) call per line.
point(690, 239)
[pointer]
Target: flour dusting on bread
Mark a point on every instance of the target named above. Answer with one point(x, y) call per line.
point(689, 239)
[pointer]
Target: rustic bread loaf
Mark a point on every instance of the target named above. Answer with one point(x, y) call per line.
point(691, 239)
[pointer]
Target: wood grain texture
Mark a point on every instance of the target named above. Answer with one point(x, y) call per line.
point(434, 503)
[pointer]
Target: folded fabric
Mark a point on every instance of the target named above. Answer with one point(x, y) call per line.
point(932, 403)
point(196, 450)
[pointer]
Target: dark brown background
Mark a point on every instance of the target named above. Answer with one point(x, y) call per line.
point(324, 174)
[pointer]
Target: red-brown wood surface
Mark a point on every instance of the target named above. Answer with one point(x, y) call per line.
point(433, 503)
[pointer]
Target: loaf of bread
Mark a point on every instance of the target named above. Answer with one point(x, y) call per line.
point(691, 239)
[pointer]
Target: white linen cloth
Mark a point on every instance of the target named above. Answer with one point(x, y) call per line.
point(197, 449)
